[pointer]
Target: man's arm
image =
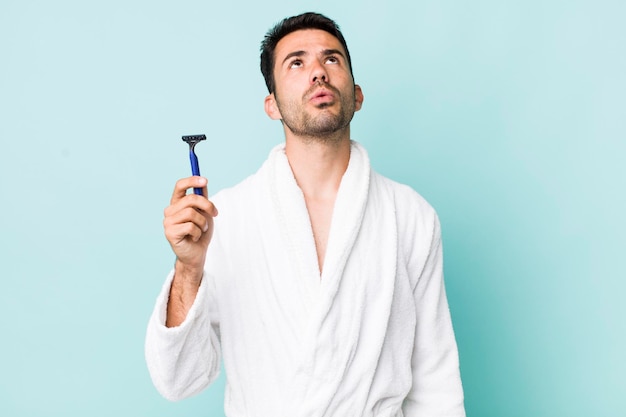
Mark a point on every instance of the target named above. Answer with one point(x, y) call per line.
point(182, 340)
point(437, 390)
point(188, 225)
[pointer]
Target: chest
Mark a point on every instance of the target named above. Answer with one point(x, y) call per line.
point(320, 216)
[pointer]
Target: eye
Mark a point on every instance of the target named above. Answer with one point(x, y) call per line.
point(296, 63)
point(332, 60)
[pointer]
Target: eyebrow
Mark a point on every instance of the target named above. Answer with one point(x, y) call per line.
point(325, 52)
point(294, 54)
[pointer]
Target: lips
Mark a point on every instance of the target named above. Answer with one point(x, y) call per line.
point(322, 96)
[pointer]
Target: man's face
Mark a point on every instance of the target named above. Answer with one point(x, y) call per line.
point(314, 90)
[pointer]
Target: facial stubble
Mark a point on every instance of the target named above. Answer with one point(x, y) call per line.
point(325, 124)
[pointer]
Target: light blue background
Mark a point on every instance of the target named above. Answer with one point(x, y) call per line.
point(508, 116)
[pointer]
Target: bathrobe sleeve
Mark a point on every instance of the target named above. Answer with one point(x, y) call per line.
point(183, 360)
point(436, 389)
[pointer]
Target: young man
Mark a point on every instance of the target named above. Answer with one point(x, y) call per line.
point(320, 282)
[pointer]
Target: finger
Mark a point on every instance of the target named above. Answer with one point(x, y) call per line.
point(188, 215)
point(177, 233)
point(194, 201)
point(182, 185)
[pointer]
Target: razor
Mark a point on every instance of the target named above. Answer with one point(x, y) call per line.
point(193, 140)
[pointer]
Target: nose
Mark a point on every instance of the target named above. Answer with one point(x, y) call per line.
point(318, 74)
point(318, 77)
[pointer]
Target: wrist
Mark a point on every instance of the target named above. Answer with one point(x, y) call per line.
point(185, 274)
point(183, 292)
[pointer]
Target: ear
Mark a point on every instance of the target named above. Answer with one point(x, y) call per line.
point(271, 108)
point(358, 96)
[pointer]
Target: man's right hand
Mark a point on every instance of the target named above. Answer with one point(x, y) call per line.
point(188, 225)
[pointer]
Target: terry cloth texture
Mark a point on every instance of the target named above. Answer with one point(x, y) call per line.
point(370, 336)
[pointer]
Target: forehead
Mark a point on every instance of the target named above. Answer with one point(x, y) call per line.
point(307, 40)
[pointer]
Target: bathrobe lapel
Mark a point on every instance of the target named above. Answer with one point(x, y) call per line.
point(352, 298)
point(295, 227)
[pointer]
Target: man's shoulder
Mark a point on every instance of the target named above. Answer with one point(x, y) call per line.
point(249, 187)
point(406, 198)
point(417, 221)
point(238, 192)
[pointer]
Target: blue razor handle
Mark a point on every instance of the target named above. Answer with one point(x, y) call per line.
point(195, 169)
point(192, 140)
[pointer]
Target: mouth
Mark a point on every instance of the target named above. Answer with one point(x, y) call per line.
point(322, 96)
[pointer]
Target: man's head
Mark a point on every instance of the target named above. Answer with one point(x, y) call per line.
point(287, 26)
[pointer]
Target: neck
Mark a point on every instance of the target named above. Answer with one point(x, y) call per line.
point(318, 165)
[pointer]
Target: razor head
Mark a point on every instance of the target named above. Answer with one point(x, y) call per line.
point(193, 139)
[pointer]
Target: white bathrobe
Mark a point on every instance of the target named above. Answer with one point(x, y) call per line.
point(371, 336)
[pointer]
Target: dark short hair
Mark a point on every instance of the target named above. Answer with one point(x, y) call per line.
point(287, 26)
